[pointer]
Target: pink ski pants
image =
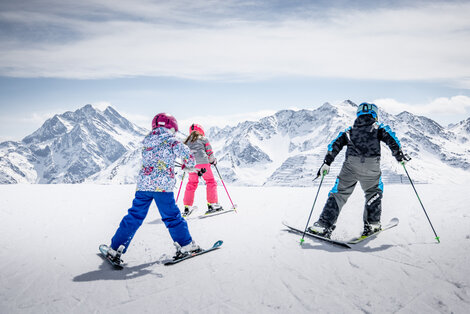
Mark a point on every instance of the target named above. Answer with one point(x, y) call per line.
point(193, 181)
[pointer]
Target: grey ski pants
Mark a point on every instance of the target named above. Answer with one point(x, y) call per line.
point(367, 172)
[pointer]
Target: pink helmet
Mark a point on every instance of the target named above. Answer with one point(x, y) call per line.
point(197, 128)
point(165, 120)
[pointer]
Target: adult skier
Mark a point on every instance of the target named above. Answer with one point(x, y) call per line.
point(156, 182)
point(362, 164)
point(202, 151)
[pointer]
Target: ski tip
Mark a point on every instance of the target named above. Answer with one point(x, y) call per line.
point(103, 248)
point(218, 243)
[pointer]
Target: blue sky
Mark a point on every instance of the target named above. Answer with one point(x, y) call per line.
point(219, 62)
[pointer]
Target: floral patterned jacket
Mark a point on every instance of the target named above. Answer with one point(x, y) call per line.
point(160, 149)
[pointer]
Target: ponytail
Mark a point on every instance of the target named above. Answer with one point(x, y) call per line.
point(194, 136)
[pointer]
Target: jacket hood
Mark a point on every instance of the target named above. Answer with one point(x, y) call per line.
point(364, 120)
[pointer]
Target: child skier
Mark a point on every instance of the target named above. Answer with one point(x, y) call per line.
point(362, 164)
point(202, 150)
point(155, 182)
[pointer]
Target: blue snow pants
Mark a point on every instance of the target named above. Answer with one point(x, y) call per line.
point(170, 213)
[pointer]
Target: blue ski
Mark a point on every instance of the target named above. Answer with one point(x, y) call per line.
point(216, 246)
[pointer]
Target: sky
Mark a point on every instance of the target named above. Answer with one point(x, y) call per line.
point(219, 62)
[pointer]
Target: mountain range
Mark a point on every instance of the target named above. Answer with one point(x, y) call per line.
point(69, 148)
point(284, 149)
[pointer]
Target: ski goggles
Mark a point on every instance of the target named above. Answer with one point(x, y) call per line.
point(366, 108)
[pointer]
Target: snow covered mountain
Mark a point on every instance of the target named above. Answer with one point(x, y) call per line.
point(288, 147)
point(284, 149)
point(69, 148)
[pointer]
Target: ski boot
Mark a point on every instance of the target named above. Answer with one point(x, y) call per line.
point(371, 228)
point(212, 208)
point(320, 230)
point(115, 255)
point(186, 211)
point(182, 251)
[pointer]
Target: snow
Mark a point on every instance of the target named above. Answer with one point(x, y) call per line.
point(51, 234)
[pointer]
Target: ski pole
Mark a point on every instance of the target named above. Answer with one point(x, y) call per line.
point(419, 199)
point(233, 206)
point(181, 184)
point(305, 230)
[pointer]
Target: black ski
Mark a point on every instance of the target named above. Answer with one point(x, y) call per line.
point(216, 246)
point(314, 236)
point(104, 254)
point(392, 223)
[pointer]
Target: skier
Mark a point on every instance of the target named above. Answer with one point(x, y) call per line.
point(362, 164)
point(155, 182)
point(202, 150)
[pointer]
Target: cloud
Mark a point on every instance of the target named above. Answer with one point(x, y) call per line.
point(456, 105)
point(141, 120)
point(215, 40)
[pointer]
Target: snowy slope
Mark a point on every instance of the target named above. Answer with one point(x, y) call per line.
point(49, 257)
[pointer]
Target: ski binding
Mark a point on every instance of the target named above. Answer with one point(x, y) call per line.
point(104, 254)
point(315, 236)
point(392, 223)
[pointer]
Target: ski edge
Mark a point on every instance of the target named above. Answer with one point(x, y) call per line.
point(331, 241)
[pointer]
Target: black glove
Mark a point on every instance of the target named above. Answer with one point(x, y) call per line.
point(200, 172)
point(403, 158)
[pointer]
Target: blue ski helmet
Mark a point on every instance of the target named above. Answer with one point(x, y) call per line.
point(366, 108)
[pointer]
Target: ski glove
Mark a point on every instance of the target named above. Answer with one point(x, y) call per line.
point(324, 169)
point(199, 172)
point(403, 158)
point(212, 160)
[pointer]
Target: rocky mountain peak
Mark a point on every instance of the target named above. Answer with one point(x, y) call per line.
point(70, 147)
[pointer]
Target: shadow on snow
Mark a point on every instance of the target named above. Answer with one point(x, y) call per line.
point(106, 272)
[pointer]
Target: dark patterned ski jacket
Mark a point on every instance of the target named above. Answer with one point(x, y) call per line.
point(363, 140)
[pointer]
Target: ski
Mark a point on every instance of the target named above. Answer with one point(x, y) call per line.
point(104, 254)
point(393, 223)
point(216, 246)
point(220, 212)
point(331, 241)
